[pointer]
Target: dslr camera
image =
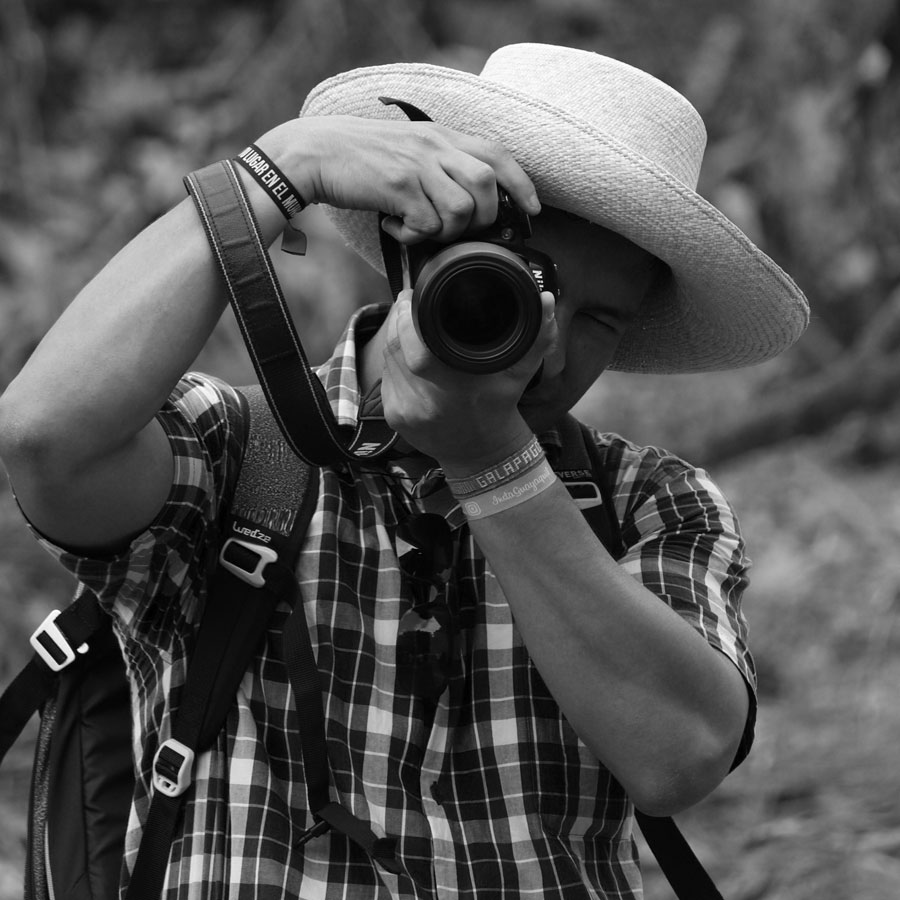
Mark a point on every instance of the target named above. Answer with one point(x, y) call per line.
point(476, 303)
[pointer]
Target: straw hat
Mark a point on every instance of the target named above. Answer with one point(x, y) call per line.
point(618, 147)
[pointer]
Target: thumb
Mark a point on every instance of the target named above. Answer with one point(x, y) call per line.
point(550, 339)
point(534, 361)
point(548, 344)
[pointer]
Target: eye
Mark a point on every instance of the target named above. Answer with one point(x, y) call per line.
point(597, 317)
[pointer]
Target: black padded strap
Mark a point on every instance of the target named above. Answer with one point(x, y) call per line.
point(234, 622)
point(232, 626)
point(294, 393)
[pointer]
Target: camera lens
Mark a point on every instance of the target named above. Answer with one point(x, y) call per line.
point(477, 306)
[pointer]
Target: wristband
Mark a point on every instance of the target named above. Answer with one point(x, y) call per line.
point(509, 494)
point(272, 180)
point(508, 469)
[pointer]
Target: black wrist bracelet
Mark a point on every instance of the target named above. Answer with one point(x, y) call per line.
point(272, 180)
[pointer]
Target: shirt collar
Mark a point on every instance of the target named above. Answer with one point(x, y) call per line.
point(338, 373)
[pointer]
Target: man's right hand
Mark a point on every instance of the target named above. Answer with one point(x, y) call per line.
point(432, 182)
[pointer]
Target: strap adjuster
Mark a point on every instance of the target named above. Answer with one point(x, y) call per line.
point(173, 766)
point(52, 645)
point(247, 560)
point(586, 494)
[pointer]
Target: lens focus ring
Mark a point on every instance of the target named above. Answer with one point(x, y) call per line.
point(477, 306)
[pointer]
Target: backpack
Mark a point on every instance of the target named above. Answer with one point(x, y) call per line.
point(83, 770)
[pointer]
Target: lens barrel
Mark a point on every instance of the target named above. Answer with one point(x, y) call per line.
point(477, 306)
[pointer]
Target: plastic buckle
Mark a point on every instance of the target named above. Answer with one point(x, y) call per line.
point(254, 576)
point(585, 493)
point(49, 630)
point(173, 765)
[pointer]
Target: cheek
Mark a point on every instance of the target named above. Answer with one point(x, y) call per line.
point(591, 349)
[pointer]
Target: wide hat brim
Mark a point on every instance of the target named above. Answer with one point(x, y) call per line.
point(726, 304)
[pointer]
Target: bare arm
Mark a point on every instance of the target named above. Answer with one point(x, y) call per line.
point(654, 701)
point(89, 462)
point(661, 708)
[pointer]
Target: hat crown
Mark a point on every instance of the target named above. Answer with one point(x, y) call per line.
point(643, 113)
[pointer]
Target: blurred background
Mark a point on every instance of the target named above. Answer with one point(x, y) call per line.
point(105, 104)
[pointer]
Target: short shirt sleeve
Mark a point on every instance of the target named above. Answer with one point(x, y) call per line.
point(684, 544)
point(154, 586)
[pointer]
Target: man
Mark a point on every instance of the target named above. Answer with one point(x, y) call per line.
point(581, 685)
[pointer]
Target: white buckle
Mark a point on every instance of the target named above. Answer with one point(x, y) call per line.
point(585, 493)
point(265, 555)
point(51, 631)
point(172, 767)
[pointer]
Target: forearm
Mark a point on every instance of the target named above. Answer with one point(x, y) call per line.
point(106, 366)
point(659, 707)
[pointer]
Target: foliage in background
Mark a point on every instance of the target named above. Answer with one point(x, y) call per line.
point(106, 103)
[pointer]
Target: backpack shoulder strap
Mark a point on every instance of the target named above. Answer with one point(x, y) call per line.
point(584, 470)
point(262, 532)
point(276, 490)
point(58, 642)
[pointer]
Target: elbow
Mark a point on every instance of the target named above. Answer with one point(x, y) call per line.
point(13, 430)
point(683, 778)
point(693, 756)
point(669, 797)
point(27, 441)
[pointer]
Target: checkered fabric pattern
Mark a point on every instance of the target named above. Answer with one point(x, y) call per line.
point(497, 798)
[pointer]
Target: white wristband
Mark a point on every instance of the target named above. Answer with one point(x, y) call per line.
point(508, 469)
point(509, 494)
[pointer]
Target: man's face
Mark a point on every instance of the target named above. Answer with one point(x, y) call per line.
point(603, 277)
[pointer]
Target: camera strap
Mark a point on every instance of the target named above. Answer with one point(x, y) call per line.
point(390, 253)
point(390, 248)
point(294, 392)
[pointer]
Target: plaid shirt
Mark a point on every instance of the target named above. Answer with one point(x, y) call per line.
point(498, 798)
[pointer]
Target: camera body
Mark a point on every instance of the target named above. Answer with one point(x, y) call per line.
point(476, 303)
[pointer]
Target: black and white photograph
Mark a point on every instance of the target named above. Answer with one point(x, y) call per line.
point(449, 450)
